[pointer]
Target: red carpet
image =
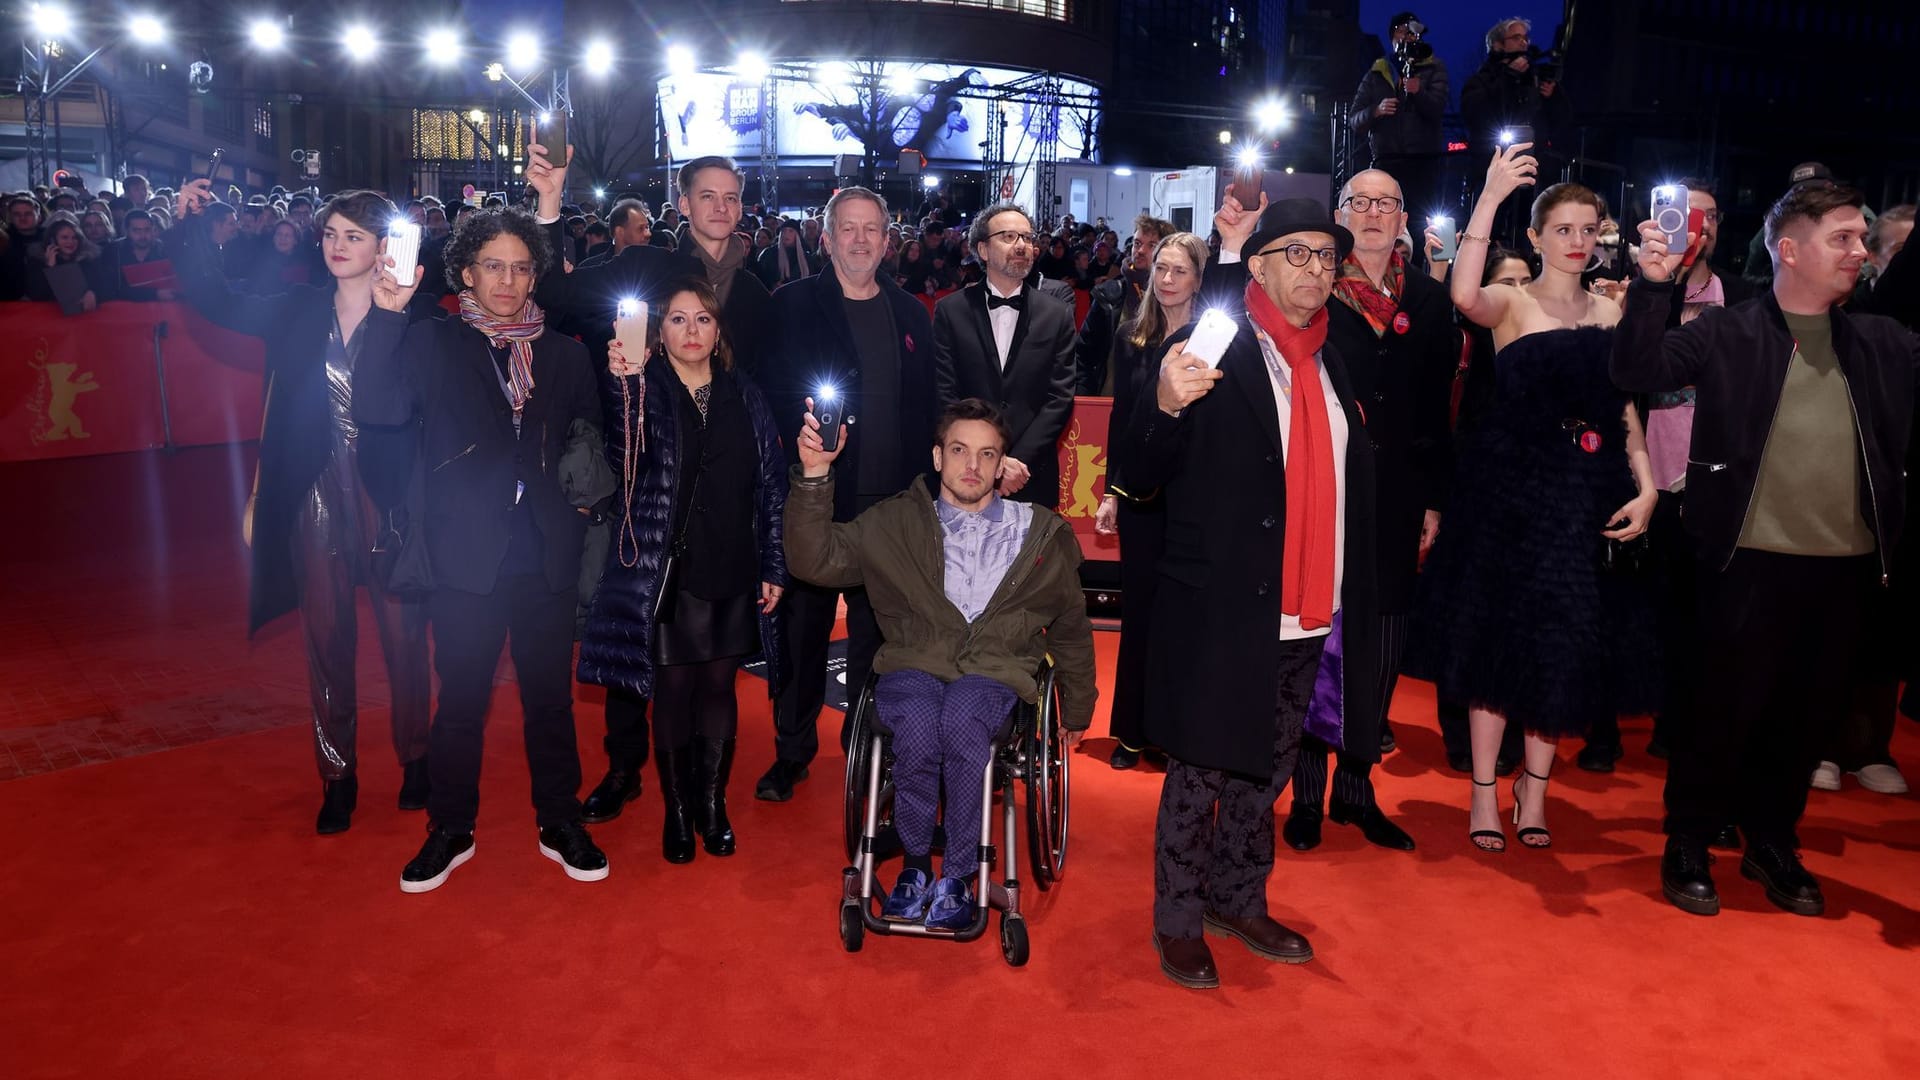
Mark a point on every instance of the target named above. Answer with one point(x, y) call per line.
point(170, 914)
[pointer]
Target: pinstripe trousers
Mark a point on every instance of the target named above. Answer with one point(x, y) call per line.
point(1352, 781)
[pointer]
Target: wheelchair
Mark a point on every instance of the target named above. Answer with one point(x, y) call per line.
point(1030, 751)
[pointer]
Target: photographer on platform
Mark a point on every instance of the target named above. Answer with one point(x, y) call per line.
point(1398, 109)
point(1517, 87)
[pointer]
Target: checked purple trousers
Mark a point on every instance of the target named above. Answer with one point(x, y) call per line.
point(941, 730)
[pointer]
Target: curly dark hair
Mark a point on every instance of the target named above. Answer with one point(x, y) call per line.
point(478, 229)
point(973, 409)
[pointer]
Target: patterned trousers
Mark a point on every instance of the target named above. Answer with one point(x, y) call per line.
point(1213, 840)
point(941, 730)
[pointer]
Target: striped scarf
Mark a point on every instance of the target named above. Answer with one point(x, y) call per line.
point(518, 333)
point(1357, 292)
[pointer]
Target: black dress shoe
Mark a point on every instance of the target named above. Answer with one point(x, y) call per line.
point(777, 784)
point(1187, 961)
point(1123, 758)
point(1598, 757)
point(1461, 762)
point(336, 805)
point(416, 784)
point(1387, 742)
point(1374, 825)
point(1777, 868)
point(1264, 936)
point(1727, 839)
point(1684, 877)
point(618, 788)
point(1302, 830)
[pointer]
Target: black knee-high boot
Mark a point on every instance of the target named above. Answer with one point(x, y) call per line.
point(710, 798)
point(676, 788)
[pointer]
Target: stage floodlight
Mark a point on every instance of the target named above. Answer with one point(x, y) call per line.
point(834, 75)
point(679, 60)
point(146, 30)
point(266, 34)
point(598, 58)
point(50, 21)
point(442, 47)
point(1226, 137)
point(902, 83)
point(752, 66)
point(360, 42)
point(1271, 115)
point(523, 51)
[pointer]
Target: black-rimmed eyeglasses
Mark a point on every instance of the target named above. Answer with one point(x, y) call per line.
point(1298, 254)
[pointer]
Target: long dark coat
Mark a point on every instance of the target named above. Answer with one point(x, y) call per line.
point(1216, 613)
point(616, 648)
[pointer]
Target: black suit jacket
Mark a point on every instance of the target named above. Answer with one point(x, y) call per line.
point(442, 371)
point(1216, 612)
point(1035, 391)
point(798, 362)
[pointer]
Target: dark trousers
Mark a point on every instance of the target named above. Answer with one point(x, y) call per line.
point(941, 732)
point(1866, 736)
point(468, 630)
point(809, 614)
point(1778, 636)
point(626, 741)
point(1353, 779)
point(1213, 839)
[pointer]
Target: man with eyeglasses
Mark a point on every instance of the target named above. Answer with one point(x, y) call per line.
point(1508, 92)
point(1399, 114)
point(1393, 326)
point(1266, 468)
point(1004, 341)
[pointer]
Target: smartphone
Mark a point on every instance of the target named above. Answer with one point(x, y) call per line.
point(826, 409)
point(553, 135)
point(403, 247)
point(1211, 337)
point(1670, 214)
point(1518, 133)
point(630, 327)
point(1696, 228)
point(1247, 180)
point(1442, 226)
point(213, 164)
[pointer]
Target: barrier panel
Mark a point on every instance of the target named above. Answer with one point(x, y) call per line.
point(128, 376)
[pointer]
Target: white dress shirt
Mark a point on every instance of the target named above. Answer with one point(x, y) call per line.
point(1281, 377)
point(1005, 320)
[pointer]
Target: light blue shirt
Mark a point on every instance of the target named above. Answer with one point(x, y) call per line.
point(980, 549)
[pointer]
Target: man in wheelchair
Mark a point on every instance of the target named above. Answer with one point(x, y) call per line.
point(972, 592)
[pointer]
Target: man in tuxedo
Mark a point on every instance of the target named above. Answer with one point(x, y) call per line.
point(1008, 343)
point(869, 343)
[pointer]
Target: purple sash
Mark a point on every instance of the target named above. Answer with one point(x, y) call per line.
point(1326, 711)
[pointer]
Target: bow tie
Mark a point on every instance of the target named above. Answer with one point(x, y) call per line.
point(1018, 301)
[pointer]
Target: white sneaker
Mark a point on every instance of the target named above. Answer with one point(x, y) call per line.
point(1885, 779)
point(1827, 776)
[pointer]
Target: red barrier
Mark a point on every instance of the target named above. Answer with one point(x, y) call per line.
point(125, 377)
point(1083, 474)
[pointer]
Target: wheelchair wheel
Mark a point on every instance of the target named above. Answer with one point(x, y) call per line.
point(1048, 776)
point(859, 763)
point(1013, 939)
point(852, 933)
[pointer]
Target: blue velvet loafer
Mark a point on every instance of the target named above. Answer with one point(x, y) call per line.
point(952, 906)
point(908, 901)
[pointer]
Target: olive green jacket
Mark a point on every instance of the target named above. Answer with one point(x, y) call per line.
point(896, 551)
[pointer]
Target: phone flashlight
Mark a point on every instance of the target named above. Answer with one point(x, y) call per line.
point(1506, 137)
point(628, 309)
point(826, 409)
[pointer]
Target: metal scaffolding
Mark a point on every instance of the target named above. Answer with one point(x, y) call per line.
point(770, 142)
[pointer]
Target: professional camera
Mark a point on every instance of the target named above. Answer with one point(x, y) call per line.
point(1546, 64)
point(1411, 50)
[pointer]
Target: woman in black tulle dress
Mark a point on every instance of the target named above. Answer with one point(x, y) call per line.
point(1520, 620)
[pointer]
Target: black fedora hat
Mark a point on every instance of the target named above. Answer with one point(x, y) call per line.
point(1289, 216)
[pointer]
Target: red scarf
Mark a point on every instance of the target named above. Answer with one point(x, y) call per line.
point(1313, 498)
point(1358, 292)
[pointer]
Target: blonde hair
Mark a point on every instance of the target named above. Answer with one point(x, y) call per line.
point(1150, 325)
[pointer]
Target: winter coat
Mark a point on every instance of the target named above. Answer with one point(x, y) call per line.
point(1414, 130)
point(616, 647)
point(896, 550)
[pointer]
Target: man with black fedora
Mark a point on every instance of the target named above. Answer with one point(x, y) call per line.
point(1267, 475)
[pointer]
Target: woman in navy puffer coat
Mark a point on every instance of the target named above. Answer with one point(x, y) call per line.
point(703, 477)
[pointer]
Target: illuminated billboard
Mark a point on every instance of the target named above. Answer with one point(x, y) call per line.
point(822, 110)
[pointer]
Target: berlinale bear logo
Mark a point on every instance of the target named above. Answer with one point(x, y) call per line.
point(54, 398)
point(1083, 466)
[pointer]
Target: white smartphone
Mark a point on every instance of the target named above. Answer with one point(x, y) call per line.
point(1670, 214)
point(630, 327)
point(1211, 337)
point(1442, 226)
point(403, 247)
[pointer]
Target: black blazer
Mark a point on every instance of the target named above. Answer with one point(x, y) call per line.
point(1036, 389)
point(442, 370)
point(1216, 611)
point(798, 362)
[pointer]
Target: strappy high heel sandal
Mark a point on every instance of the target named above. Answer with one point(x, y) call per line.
point(1491, 841)
point(1527, 835)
